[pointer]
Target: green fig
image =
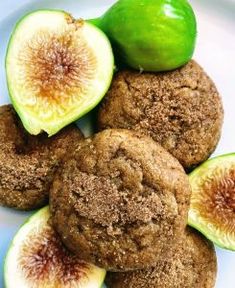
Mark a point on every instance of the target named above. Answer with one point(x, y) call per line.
point(151, 35)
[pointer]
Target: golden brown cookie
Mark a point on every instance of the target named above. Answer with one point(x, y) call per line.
point(120, 201)
point(193, 265)
point(28, 163)
point(181, 110)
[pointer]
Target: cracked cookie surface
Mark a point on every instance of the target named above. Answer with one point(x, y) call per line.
point(181, 110)
point(193, 264)
point(120, 201)
point(28, 163)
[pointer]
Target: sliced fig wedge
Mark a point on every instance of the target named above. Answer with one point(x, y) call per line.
point(58, 69)
point(37, 259)
point(212, 209)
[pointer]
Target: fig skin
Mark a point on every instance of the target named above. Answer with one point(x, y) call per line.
point(212, 208)
point(151, 35)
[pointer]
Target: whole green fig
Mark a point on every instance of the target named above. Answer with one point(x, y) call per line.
point(151, 35)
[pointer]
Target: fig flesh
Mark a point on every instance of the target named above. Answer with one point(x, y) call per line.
point(58, 69)
point(37, 259)
point(212, 209)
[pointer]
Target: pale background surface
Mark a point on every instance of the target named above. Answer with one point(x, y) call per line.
point(215, 52)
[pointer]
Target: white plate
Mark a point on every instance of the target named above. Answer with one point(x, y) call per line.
point(215, 51)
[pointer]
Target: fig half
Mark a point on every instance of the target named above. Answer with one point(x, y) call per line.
point(37, 259)
point(212, 209)
point(58, 69)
